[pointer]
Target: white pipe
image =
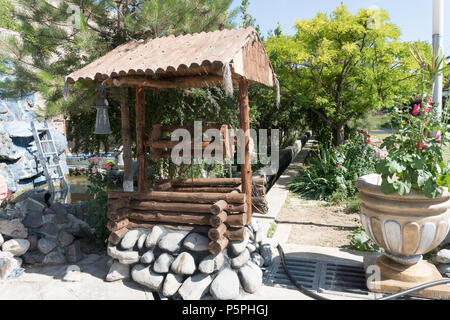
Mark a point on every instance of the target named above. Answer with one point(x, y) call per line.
point(438, 45)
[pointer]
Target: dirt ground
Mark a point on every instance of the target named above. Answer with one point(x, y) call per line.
point(316, 223)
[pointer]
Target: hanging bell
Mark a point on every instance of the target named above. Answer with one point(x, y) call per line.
point(102, 121)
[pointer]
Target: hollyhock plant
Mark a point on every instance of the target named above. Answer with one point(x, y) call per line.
point(415, 157)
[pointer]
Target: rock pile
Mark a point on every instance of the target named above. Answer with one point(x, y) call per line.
point(178, 265)
point(33, 233)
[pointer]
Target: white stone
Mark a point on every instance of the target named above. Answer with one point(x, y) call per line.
point(251, 277)
point(17, 247)
point(124, 257)
point(142, 238)
point(148, 257)
point(225, 286)
point(184, 264)
point(1, 240)
point(171, 285)
point(73, 274)
point(255, 225)
point(130, 239)
point(118, 271)
point(211, 263)
point(251, 247)
point(239, 246)
point(195, 287)
point(146, 277)
point(196, 242)
point(163, 263)
point(155, 236)
point(240, 260)
point(8, 264)
point(171, 242)
point(443, 256)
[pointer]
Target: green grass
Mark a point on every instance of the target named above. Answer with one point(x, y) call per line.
point(272, 229)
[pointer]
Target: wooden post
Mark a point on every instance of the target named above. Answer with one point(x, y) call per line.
point(246, 169)
point(126, 143)
point(140, 139)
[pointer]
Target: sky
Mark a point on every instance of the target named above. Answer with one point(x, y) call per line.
point(412, 17)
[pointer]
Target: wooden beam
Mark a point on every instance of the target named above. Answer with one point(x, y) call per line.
point(167, 83)
point(205, 182)
point(141, 139)
point(210, 198)
point(246, 169)
point(128, 184)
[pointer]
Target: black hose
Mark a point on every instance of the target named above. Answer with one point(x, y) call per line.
point(319, 297)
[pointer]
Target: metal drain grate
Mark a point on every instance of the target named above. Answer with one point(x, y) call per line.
point(319, 276)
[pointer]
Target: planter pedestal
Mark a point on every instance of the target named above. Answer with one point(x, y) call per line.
point(397, 277)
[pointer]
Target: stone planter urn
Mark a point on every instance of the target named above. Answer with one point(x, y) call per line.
point(406, 227)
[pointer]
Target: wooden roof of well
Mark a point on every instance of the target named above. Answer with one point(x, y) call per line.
point(168, 61)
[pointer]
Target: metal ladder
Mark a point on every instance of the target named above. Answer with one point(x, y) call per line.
point(49, 158)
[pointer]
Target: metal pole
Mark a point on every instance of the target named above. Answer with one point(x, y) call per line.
point(438, 45)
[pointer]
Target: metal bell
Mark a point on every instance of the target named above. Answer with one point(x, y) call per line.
point(102, 121)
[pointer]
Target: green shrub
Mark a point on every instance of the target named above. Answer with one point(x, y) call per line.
point(332, 172)
point(360, 241)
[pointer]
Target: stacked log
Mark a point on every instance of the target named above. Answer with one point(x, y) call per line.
point(222, 216)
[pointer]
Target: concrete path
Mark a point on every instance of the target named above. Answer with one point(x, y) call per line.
point(46, 284)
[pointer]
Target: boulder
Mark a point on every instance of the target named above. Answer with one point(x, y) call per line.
point(142, 238)
point(172, 241)
point(33, 239)
point(225, 286)
point(77, 226)
point(124, 257)
point(33, 219)
point(163, 263)
point(1, 240)
point(443, 256)
point(211, 263)
point(148, 257)
point(172, 283)
point(13, 228)
point(196, 242)
point(240, 246)
point(8, 265)
point(251, 247)
point(146, 277)
point(118, 271)
point(53, 258)
point(59, 209)
point(195, 287)
point(130, 239)
point(155, 236)
point(45, 245)
point(16, 247)
point(240, 260)
point(184, 264)
point(251, 277)
point(65, 238)
point(33, 257)
point(49, 230)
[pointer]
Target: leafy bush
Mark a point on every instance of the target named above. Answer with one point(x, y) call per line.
point(332, 172)
point(360, 241)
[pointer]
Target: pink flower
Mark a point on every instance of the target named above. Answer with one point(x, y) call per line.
point(428, 110)
point(426, 135)
point(94, 170)
point(78, 168)
point(426, 121)
point(368, 141)
point(416, 110)
point(94, 160)
point(338, 165)
point(438, 138)
point(106, 166)
point(421, 146)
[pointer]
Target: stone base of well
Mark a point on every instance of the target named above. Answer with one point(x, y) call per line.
point(396, 277)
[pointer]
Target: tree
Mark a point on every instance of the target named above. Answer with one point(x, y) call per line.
point(341, 66)
point(51, 46)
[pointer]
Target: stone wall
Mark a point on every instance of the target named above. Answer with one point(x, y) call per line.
point(177, 264)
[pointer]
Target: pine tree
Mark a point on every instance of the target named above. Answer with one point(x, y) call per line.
point(58, 37)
